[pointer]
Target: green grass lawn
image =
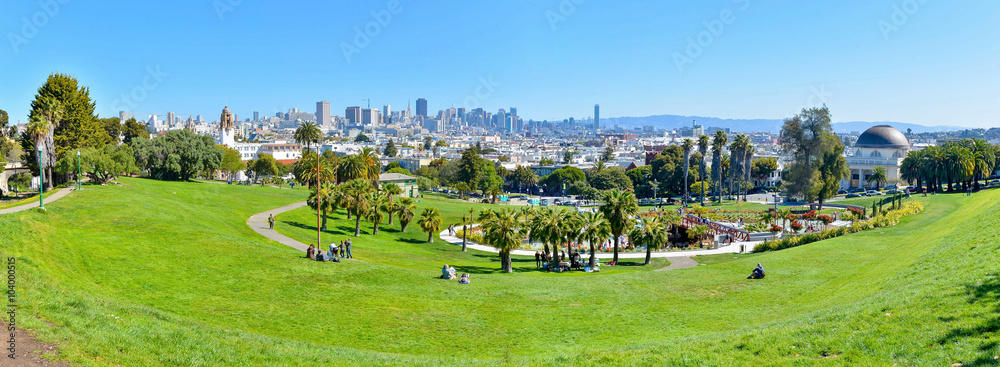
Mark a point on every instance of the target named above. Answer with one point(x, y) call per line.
point(189, 283)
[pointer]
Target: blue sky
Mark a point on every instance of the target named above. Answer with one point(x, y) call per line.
point(933, 63)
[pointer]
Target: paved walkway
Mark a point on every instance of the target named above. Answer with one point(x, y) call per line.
point(34, 203)
point(680, 263)
point(731, 249)
point(258, 222)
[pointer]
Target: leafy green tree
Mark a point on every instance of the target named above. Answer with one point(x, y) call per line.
point(402, 171)
point(642, 181)
point(608, 154)
point(78, 126)
point(231, 161)
point(764, 167)
point(441, 143)
point(265, 165)
point(430, 222)
point(524, 177)
point(611, 179)
point(807, 137)
point(4, 120)
point(177, 155)
point(134, 130)
point(565, 175)
point(113, 128)
point(832, 169)
point(567, 156)
point(619, 207)
point(390, 150)
point(100, 164)
point(428, 141)
point(362, 138)
point(546, 162)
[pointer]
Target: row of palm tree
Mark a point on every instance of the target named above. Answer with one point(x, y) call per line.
point(964, 162)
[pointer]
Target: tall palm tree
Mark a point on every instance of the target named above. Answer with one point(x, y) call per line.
point(352, 167)
point(356, 200)
point(466, 221)
point(687, 145)
point(652, 233)
point(373, 167)
point(619, 207)
point(308, 133)
point(748, 152)
point(376, 213)
point(878, 177)
point(324, 200)
point(537, 223)
point(572, 230)
point(391, 190)
point(718, 147)
point(405, 212)
point(737, 154)
point(430, 222)
point(984, 157)
point(44, 121)
point(595, 229)
point(910, 169)
point(703, 146)
point(505, 232)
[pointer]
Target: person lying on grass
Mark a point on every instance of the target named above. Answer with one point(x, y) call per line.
point(465, 279)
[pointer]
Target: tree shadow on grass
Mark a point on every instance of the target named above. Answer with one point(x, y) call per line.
point(339, 231)
point(989, 292)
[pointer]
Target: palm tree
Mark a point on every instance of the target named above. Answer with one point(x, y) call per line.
point(737, 154)
point(505, 232)
point(405, 212)
point(357, 201)
point(652, 233)
point(595, 229)
point(42, 126)
point(878, 177)
point(308, 132)
point(984, 159)
point(910, 169)
point(324, 200)
point(718, 146)
point(430, 222)
point(370, 158)
point(376, 202)
point(462, 188)
point(599, 166)
point(390, 206)
point(748, 152)
point(466, 220)
point(687, 145)
point(391, 190)
point(619, 207)
point(702, 169)
point(351, 168)
point(572, 230)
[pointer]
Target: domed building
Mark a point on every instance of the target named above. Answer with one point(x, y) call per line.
point(880, 146)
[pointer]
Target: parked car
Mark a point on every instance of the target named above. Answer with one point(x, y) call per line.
point(557, 201)
point(874, 193)
point(841, 192)
point(544, 202)
point(993, 183)
point(568, 203)
point(893, 192)
point(853, 195)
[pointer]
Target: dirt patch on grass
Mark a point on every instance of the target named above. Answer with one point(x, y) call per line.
point(29, 352)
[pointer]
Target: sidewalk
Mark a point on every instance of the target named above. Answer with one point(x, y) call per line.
point(258, 222)
point(34, 204)
point(731, 249)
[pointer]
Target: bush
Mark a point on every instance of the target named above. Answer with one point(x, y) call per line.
point(889, 218)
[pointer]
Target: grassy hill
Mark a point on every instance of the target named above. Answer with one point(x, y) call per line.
point(188, 283)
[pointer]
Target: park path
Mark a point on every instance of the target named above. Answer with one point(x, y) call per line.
point(258, 222)
point(34, 204)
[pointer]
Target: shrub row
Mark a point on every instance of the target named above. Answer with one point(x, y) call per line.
point(888, 218)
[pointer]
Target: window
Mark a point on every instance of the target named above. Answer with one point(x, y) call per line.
point(876, 154)
point(858, 153)
point(898, 154)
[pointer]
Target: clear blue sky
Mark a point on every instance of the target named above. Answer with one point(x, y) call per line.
point(937, 66)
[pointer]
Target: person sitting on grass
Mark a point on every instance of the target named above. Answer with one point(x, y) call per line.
point(447, 272)
point(758, 272)
point(319, 256)
point(465, 279)
point(310, 253)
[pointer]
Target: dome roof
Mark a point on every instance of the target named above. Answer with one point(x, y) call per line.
point(882, 136)
point(226, 110)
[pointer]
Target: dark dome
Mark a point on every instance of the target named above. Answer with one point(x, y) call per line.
point(882, 136)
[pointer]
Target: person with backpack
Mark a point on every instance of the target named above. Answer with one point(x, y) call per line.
point(270, 220)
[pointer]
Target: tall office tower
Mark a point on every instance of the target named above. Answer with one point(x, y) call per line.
point(421, 107)
point(462, 118)
point(200, 120)
point(369, 116)
point(256, 115)
point(323, 113)
point(513, 111)
point(509, 124)
point(123, 116)
point(236, 117)
point(386, 115)
point(597, 116)
point(170, 119)
point(353, 115)
point(501, 120)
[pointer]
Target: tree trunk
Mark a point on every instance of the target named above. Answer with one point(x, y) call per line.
point(649, 254)
point(507, 266)
point(465, 236)
point(375, 230)
point(324, 222)
point(357, 226)
point(615, 260)
point(430, 237)
point(593, 255)
point(390, 219)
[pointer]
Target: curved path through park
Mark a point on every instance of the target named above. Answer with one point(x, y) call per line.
point(34, 204)
point(258, 222)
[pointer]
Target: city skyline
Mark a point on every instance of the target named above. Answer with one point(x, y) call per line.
point(910, 61)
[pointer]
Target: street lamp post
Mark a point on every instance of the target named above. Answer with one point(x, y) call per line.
point(656, 186)
point(79, 170)
point(41, 181)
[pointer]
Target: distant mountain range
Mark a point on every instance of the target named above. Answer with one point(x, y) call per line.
point(757, 125)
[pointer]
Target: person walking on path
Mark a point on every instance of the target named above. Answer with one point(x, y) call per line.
point(270, 220)
point(349, 249)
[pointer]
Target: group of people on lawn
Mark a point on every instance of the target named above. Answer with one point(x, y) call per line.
point(542, 261)
point(343, 250)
